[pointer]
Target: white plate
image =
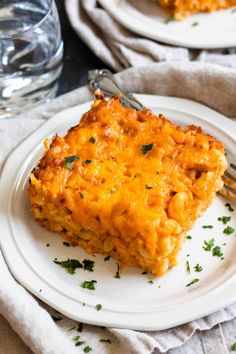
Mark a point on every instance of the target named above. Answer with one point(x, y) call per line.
point(131, 301)
point(213, 30)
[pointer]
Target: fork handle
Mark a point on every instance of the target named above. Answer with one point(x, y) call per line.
point(105, 81)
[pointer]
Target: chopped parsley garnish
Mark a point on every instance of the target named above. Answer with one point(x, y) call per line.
point(170, 19)
point(217, 251)
point(147, 186)
point(224, 219)
point(98, 307)
point(68, 161)
point(105, 341)
point(70, 265)
point(89, 284)
point(193, 282)
point(107, 258)
point(87, 349)
point(187, 267)
point(227, 205)
point(47, 245)
point(144, 273)
point(88, 161)
point(81, 195)
point(113, 190)
point(194, 24)
point(146, 148)
point(150, 282)
point(88, 265)
point(80, 327)
point(92, 140)
point(228, 230)
point(117, 275)
point(189, 237)
point(233, 346)
point(207, 226)
point(198, 268)
point(208, 245)
point(79, 343)
point(66, 244)
point(71, 329)
point(76, 338)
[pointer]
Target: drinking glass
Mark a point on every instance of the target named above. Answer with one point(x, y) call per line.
point(31, 52)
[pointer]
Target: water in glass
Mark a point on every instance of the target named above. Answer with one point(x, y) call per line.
point(30, 53)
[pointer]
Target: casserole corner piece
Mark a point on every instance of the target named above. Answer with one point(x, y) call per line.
point(127, 184)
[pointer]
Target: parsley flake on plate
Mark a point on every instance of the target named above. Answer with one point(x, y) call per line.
point(144, 273)
point(198, 268)
point(88, 265)
point(228, 205)
point(189, 237)
point(89, 284)
point(195, 280)
point(68, 161)
point(98, 307)
point(105, 341)
point(146, 148)
point(92, 140)
point(76, 338)
point(66, 244)
point(208, 245)
point(69, 264)
point(150, 282)
point(207, 226)
point(194, 24)
point(87, 349)
point(80, 342)
point(88, 162)
point(217, 251)
point(228, 230)
point(117, 275)
point(170, 19)
point(187, 267)
point(224, 219)
point(233, 346)
point(107, 258)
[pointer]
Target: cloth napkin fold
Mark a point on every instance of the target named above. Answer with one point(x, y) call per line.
point(120, 48)
point(210, 84)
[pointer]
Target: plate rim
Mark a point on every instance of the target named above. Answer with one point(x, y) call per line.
point(97, 317)
point(140, 28)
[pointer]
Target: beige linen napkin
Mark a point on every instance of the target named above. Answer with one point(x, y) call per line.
point(120, 48)
point(30, 318)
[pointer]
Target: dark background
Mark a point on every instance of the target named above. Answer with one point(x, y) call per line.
point(78, 58)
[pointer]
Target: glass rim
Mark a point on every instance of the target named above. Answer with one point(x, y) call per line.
point(31, 29)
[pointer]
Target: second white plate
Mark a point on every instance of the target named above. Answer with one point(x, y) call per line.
point(203, 30)
point(131, 301)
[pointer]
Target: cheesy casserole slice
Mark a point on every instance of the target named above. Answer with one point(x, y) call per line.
point(182, 8)
point(127, 184)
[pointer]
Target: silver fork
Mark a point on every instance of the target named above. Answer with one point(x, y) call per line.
point(105, 81)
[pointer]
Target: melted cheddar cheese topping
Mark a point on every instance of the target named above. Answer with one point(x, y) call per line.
point(127, 184)
point(182, 8)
